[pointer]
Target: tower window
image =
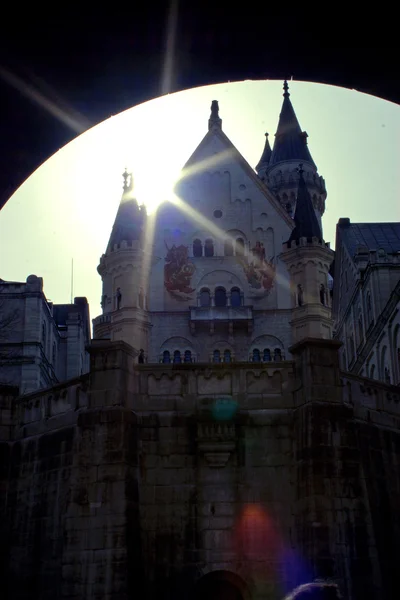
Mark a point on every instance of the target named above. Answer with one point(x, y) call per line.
point(300, 295)
point(141, 299)
point(256, 355)
point(236, 299)
point(166, 358)
point(209, 248)
point(216, 356)
point(220, 297)
point(322, 294)
point(205, 299)
point(227, 356)
point(228, 248)
point(266, 355)
point(239, 247)
point(197, 248)
point(187, 356)
point(177, 357)
point(277, 354)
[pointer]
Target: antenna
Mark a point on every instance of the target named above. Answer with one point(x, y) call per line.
point(72, 280)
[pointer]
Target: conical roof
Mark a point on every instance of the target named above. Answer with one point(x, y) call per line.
point(290, 141)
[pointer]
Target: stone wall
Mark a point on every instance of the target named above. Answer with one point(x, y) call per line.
point(154, 477)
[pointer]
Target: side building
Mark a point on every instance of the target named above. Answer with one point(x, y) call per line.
point(41, 343)
point(366, 298)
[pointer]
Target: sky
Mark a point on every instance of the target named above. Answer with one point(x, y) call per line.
point(65, 209)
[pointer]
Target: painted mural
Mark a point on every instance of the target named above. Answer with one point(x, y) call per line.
point(260, 272)
point(178, 272)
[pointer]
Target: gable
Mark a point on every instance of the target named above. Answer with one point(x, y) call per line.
point(216, 154)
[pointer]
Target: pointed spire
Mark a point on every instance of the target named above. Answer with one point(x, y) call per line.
point(286, 89)
point(214, 120)
point(129, 220)
point(290, 140)
point(266, 155)
point(305, 219)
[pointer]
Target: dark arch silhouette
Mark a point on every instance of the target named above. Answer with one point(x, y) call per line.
point(221, 585)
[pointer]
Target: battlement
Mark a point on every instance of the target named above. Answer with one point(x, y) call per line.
point(306, 242)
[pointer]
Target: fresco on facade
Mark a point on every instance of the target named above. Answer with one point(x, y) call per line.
point(260, 272)
point(178, 272)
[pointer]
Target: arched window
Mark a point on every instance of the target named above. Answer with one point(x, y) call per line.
point(53, 355)
point(239, 247)
point(177, 356)
point(205, 299)
point(369, 308)
point(227, 356)
point(44, 337)
point(351, 347)
point(228, 248)
point(360, 329)
point(256, 355)
point(372, 372)
point(216, 356)
point(236, 298)
point(141, 299)
point(322, 293)
point(187, 357)
point(220, 297)
point(300, 297)
point(209, 248)
point(197, 248)
point(277, 354)
point(387, 375)
point(266, 355)
point(118, 298)
point(166, 358)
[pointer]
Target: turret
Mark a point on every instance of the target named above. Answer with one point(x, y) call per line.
point(278, 168)
point(124, 270)
point(308, 259)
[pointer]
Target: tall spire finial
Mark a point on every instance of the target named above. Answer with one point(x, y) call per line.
point(128, 180)
point(214, 119)
point(286, 89)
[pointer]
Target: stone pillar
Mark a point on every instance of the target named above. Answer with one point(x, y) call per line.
point(102, 548)
point(329, 513)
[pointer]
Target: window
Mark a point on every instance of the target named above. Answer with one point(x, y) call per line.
point(387, 375)
point(300, 298)
point(228, 248)
point(197, 248)
point(372, 372)
point(256, 355)
point(53, 356)
point(220, 297)
point(369, 308)
point(216, 356)
point(217, 214)
point(166, 358)
point(44, 337)
point(266, 355)
point(360, 329)
point(141, 299)
point(239, 247)
point(322, 294)
point(187, 356)
point(205, 299)
point(177, 357)
point(277, 354)
point(209, 248)
point(227, 356)
point(236, 299)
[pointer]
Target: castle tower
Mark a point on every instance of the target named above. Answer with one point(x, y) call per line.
point(308, 259)
point(124, 270)
point(278, 167)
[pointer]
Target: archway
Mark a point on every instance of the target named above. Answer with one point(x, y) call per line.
point(220, 585)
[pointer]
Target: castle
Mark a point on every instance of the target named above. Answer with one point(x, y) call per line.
point(237, 431)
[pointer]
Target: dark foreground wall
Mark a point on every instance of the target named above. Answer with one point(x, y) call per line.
point(190, 482)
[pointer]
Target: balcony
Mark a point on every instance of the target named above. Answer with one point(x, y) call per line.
point(212, 316)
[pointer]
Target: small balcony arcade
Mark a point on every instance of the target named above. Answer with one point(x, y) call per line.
point(220, 309)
